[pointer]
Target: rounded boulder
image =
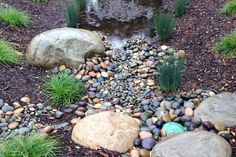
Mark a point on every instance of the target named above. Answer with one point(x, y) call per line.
point(69, 46)
point(113, 131)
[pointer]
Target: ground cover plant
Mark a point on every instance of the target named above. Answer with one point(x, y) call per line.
point(14, 17)
point(229, 8)
point(180, 6)
point(170, 74)
point(226, 45)
point(63, 88)
point(164, 24)
point(8, 54)
point(28, 146)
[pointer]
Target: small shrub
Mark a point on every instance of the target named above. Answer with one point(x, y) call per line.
point(8, 54)
point(227, 44)
point(229, 8)
point(164, 24)
point(73, 10)
point(180, 6)
point(63, 88)
point(13, 17)
point(28, 146)
point(170, 74)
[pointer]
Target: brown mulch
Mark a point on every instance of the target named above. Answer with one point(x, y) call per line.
point(20, 80)
point(196, 32)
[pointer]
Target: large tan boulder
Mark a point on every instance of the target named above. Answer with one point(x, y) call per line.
point(108, 130)
point(220, 108)
point(64, 46)
point(193, 144)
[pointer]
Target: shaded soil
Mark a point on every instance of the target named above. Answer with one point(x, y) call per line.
point(196, 31)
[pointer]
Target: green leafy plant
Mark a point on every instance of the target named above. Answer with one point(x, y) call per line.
point(28, 146)
point(180, 6)
point(73, 10)
point(164, 24)
point(229, 8)
point(8, 55)
point(226, 45)
point(13, 17)
point(63, 88)
point(170, 74)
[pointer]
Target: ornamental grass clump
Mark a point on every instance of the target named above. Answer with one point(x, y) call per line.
point(63, 89)
point(226, 45)
point(229, 8)
point(170, 74)
point(164, 24)
point(8, 55)
point(13, 17)
point(180, 6)
point(73, 10)
point(28, 146)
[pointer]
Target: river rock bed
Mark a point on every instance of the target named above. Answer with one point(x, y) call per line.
point(123, 81)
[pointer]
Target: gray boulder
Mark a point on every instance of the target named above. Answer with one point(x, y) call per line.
point(193, 144)
point(220, 108)
point(68, 46)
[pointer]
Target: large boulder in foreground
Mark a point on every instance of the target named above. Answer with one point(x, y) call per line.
point(220, 108)
point(193, 144)
point(64, 46)
point(108, 130)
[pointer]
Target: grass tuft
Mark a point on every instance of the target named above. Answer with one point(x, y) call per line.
point(164, 24)
point(28, 146)
point(8, 55)
point(73, 10)
point(229, 8)
point(226, 45)
point(180, 6)
point(13, 17)
point(63, 88)
point(170, 74)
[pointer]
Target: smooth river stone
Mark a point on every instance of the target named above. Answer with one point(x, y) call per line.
point(108, 130)
point(220, 108)
point(193, 144)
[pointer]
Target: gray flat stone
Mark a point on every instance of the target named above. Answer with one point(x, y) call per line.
point(220, 108)
point(193, 144)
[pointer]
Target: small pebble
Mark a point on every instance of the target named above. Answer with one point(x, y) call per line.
point(58, 114)
point(13, 125)
point(134, 153)
point(145, 134)
point(25, 99)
